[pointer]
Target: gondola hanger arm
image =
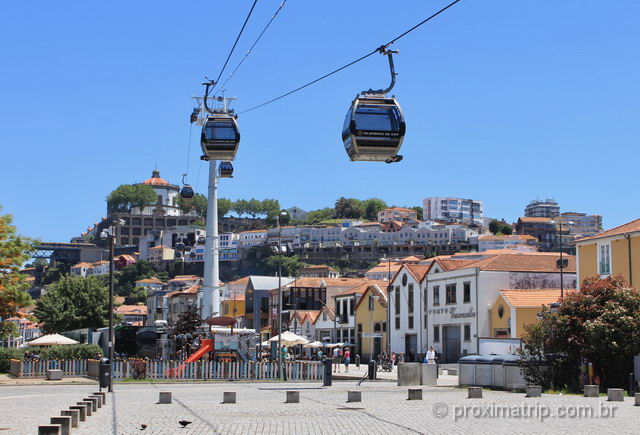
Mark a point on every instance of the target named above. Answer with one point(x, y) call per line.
point(383, 50)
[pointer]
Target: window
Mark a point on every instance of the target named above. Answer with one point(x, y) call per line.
point(450, 293)
point(436, 334)
point(410, 322)
point(397, 302)
point(397, 322)
point(384, 326)
point(605, 260)
point(466, 291)
point(410, 299)
point(436, 295)
point(467, 332)
point(376, 327)
point(371, 302)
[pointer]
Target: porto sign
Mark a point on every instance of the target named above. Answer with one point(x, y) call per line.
point(452, 312)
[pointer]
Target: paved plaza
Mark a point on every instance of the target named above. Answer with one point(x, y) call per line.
point(261, 408)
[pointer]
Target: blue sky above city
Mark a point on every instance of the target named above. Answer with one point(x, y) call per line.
point(504, 101)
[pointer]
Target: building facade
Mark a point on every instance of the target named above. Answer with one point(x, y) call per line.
point(400, 214)
point(544, 229)
point(542, 209)
point(452, 210)
point(581, 224)
point(519, 242)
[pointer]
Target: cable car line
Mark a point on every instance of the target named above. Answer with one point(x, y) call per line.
point(236, 41)
point(381, 49)
point(253, 45)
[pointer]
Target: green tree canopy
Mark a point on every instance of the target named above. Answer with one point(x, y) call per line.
point(240, 207)
point(372, 207)
point(127, 276)
point(316, 216)
point(74, 302)
point(127, 196)
point(500, 227)
point(14, 251)
point(600, 323)
point(290, 265)
point(419, 212)
point(137, 295)
point(224, 207)
point(349, 208)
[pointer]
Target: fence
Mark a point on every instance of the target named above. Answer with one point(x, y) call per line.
point(38, 368)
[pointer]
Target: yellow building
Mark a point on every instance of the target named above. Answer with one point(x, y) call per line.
point(612, 252)
point(514, 310)
point(371, 321)
point(233, 307)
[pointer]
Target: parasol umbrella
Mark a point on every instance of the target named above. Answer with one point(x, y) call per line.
point(313, 344)
point(290, 339)
point(52, 340)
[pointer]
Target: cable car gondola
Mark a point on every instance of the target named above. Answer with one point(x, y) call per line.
point(374, 127)
point(187, 191)
point(220, 136)
point(225, 170)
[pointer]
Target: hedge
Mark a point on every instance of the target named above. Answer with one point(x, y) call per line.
point(75, 351)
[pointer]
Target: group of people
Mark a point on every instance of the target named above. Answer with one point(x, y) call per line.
point(430, 357)
point(341, 355)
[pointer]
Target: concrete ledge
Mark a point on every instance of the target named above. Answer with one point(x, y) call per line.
point(615, 395)
point(354, 396)
point(82, 411)
point(474, 393)
point(408, 374)
point(229, 397)
point(415, 394)
point(54, 375)
point(94, 402)
point(64, 422)
point(428, 374)
point(534, 391)
point(293, 397)
point(591, 390)
point(87, 405)
point(49, 429)
point(164, 397)
point(74, 414)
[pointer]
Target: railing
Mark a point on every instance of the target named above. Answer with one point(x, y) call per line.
point(162, 369)
point(38, 368)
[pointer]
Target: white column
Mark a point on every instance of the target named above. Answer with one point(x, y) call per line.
point(210, 291)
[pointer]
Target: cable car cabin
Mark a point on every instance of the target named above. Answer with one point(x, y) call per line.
point(374, 129)
point(186, 192)
point(220, 137)
point(225, 170)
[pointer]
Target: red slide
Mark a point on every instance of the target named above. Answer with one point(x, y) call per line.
point(205, 347)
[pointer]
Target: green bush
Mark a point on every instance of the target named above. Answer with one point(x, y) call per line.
point(6, 354)
point(75, 351)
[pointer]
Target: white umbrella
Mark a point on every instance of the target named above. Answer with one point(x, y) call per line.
point(265, 343)
point(290, 339)
point(313, 344)
point(51, 340)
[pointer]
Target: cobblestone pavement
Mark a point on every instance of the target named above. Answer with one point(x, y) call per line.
point(261, 409)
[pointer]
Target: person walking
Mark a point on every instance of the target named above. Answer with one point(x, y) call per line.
point(346, 359)
point(337, 356)
point(431, 355)
point(394, 358)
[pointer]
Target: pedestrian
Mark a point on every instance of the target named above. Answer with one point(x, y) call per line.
point(394, 358)
point(337, 356)
point(401, 358)
point(319, 355)
point(346, 359)
point(411, 357)
point(431, 355)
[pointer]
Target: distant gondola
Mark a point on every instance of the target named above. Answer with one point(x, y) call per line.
point(225, 170)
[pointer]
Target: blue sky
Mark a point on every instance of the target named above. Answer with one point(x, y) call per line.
point(505, 101)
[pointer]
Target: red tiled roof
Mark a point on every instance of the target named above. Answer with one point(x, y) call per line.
point(154, 280)
point(535, 219)
point(524, 262)
point(524, 298)
point(132, 309)
point(629, 227)
point(362, 287)
point(239, 281)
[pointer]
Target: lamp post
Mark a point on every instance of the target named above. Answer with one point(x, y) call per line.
point(109, 234)
point(279, 250)
point(389, 290)
point(560, 263)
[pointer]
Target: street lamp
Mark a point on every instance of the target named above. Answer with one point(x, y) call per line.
point(279, 250)
point(561, 263)
point(389, 290)
point(110, 235)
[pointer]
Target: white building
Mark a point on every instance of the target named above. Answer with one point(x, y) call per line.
point(452, 210)
point(248, 239)
point(519, 242)
point(345, 303)
point(286, 235)
point(400, 214)
point(325, 326)
point(445, 303)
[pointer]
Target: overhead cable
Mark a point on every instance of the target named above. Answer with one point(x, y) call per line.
point(380, 49)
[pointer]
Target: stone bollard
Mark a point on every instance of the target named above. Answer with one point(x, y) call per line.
point(615, 395)
point(102, 394)
point(229, 397)
point(293, 397)
point(591, 391)
point(415, 394)
point(94, 402)
point(87, 405)
point(474, 393)
point(165, 397)
point(534, 391)
point(74, 414)
point(99, 397)
point(49, 429)
point(354, 396)
point(64, 422)
point(637, 402)
point(82, 411)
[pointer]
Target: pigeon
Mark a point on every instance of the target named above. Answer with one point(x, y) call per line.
point(184, 423)
point(143, 426)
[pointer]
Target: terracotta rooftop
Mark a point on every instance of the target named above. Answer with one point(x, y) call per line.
point(132, 309)
point(329, 282)
point(524, 262)
point(155, 179)
point(530, 298)
point(629, 227)
point(82, 264)
point(240, 281)
point(362, 287)
point(184, 278)
point(535, 219)
point(154, 280)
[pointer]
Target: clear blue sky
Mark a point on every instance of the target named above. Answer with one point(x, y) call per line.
point(505, 101)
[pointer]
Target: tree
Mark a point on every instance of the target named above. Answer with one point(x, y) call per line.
point(500, 227)
point(127, 276)
point(137, 295)
point(14, 251)
point(143, 195)
point(188, 321)
point(254, 207)
point(270, 207)
point(240, 207)
point(419, 212)
point(372, 207)
point(316, 216)
point(600, 323)
point(127, 196)
point(290, 266)
point(349, 208)
point(74, 302)
point(224, 207)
